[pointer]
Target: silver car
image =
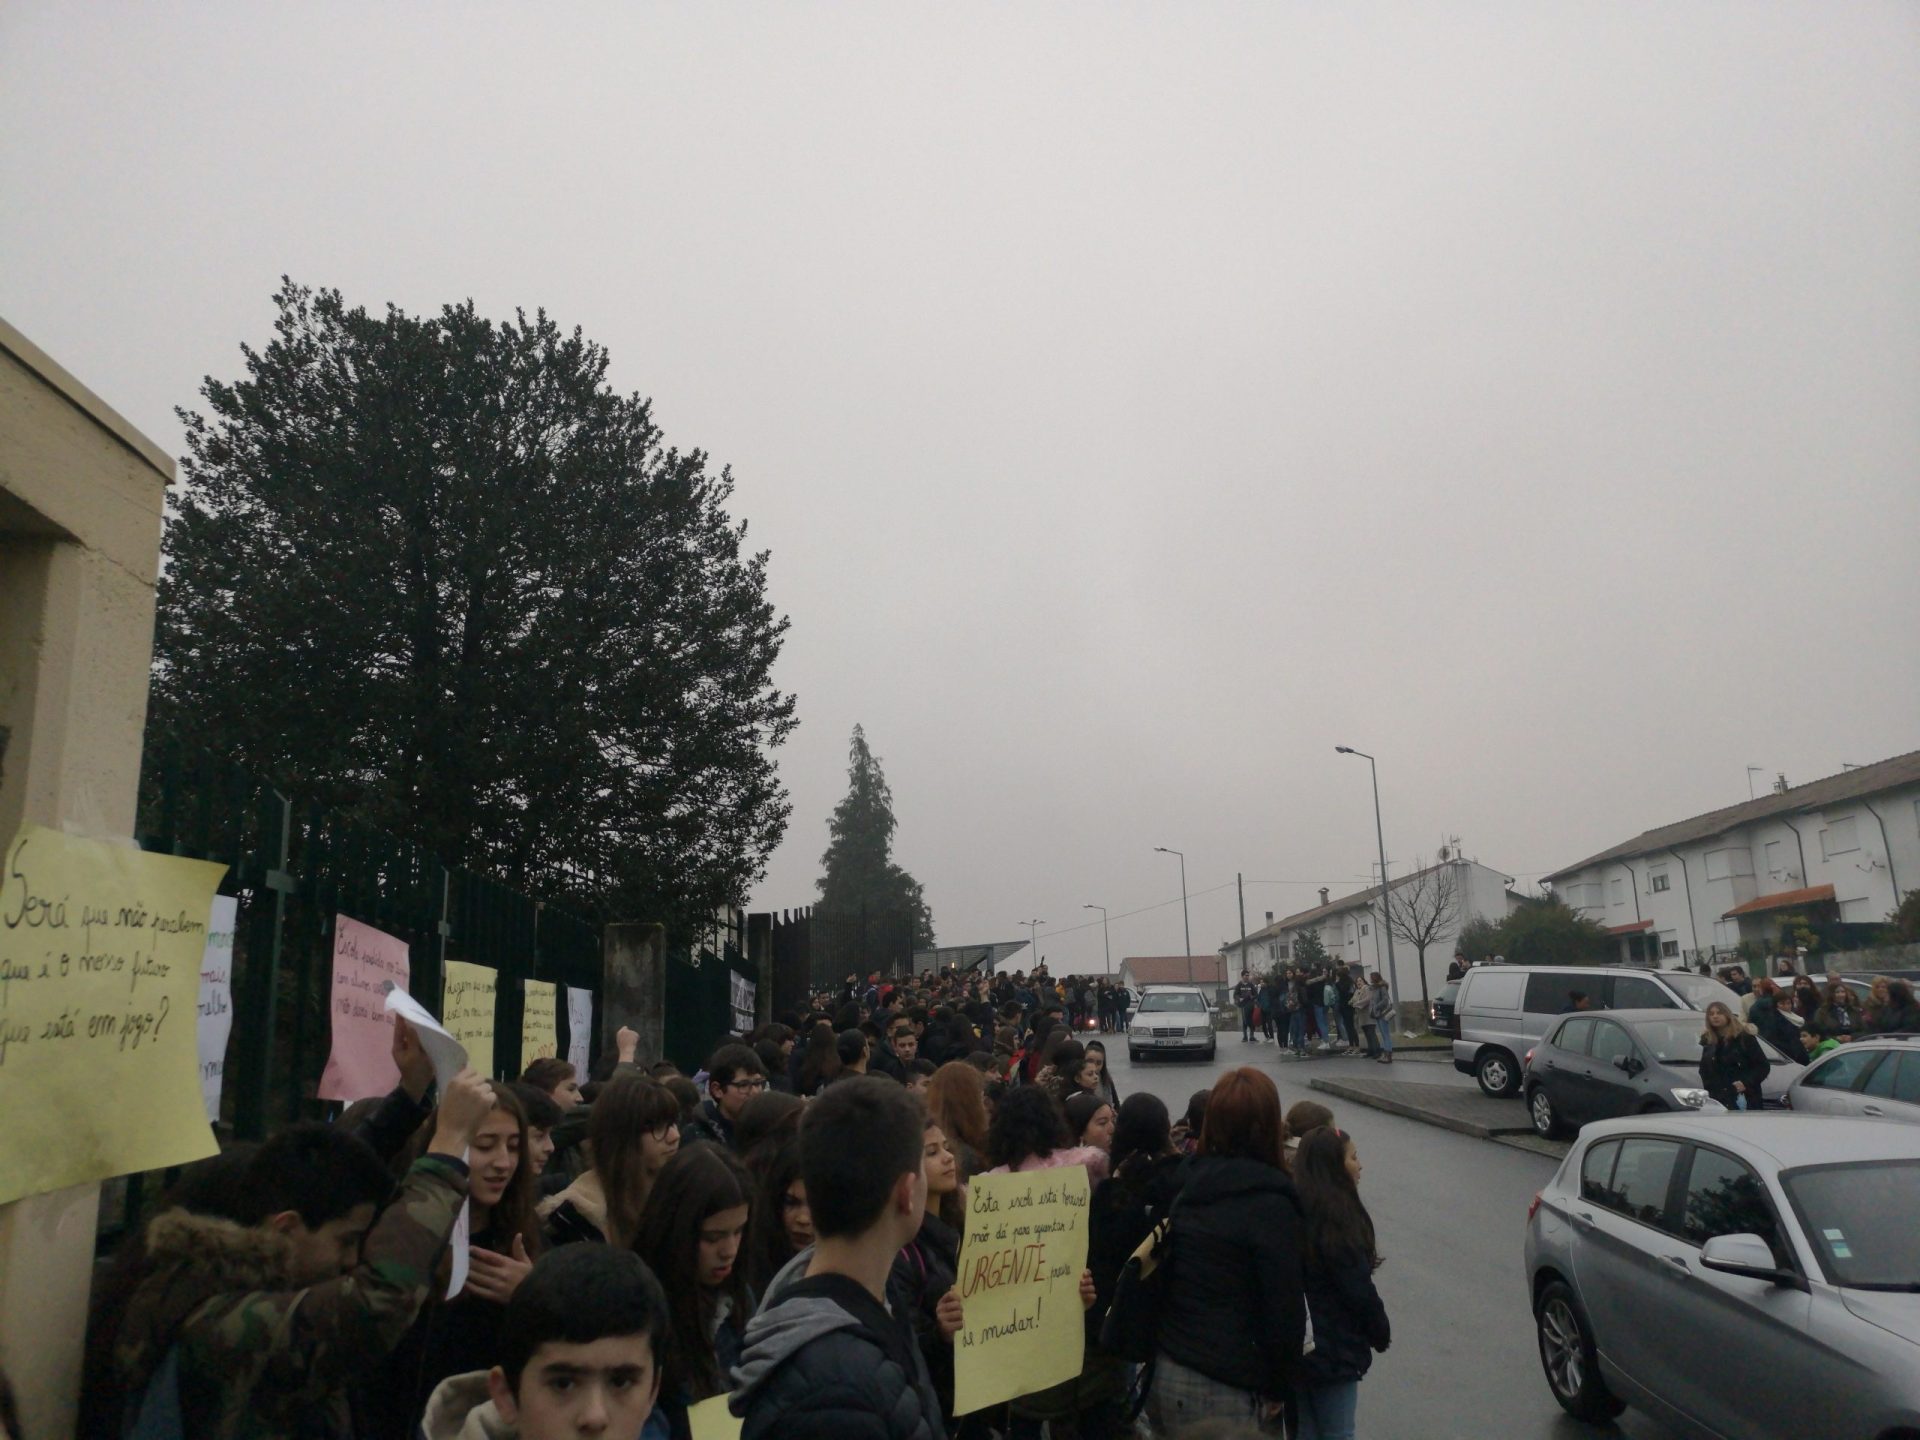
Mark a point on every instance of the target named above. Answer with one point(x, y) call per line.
point(1876, 1077)
point(1741, 1276)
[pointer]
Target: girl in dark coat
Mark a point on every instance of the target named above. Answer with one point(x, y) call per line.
point(1732, 1064)
point(1838, 1017)
point(1772, 1026)
point(1349, 1322)
point(921, 1283)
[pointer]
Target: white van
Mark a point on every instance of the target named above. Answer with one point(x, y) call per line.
point(1503, 1010)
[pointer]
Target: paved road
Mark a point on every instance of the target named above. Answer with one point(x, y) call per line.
point(1451, 1213)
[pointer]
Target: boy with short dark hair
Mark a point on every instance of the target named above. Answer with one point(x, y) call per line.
point(579, 1356)
point(734, 1076)
point(825, 1357)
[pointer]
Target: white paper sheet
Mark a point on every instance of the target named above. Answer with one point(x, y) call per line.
point(579, 1029)
point(449, 1059)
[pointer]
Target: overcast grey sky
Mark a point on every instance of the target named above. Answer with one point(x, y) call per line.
point(1138, 400)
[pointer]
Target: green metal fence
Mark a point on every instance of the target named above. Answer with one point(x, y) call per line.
point(294, 868)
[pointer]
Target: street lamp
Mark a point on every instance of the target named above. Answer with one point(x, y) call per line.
point(1185, 921)
point(1106, 941)
point(1033, 937)
point(1380, 835)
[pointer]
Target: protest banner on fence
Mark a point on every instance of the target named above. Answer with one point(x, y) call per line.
point(740, 996)
point(216, 1000)
point(539, 1027)
point(100, 952)
point(579, 1028)
point(365, 962)
point(467, 1011)
point(1021, 1255)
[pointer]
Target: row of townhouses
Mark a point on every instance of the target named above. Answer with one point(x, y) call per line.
point(1833, 853)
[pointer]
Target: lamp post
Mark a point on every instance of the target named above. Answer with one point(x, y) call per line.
point(1185, 921)
point(1106, 941)
point(1380, 835)
point(1033, 937)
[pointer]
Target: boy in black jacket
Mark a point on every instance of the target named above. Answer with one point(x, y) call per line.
point(825, 1357)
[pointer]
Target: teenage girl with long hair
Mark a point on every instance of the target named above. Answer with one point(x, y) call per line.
point(692, 1235)
point(1349, 1322)
point(634, 1131)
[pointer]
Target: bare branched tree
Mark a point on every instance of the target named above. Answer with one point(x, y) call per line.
point(1423, 907)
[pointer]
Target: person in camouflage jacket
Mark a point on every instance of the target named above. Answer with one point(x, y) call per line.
point(265, 1347)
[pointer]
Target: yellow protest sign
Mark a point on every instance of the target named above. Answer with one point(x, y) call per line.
point(1020, 1262)
point(712, 1420)
point(100, 954)
point(539, 1030)
point(467, 1011)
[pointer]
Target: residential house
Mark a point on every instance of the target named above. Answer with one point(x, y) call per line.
point(1351, 929)
point(1838, 850)
point(1209, 972)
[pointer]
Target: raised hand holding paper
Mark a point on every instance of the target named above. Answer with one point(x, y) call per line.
point(100, 953)
point(449, 1059)
point(579, 1028)
point(1021, 1257)
point(365, 962)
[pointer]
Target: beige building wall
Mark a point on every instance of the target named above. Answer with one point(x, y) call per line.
point(81, 493)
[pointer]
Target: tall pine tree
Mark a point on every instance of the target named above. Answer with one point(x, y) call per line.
point(860, 874)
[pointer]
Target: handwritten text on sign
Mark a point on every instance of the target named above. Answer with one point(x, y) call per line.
point(468, 1011)
point(1020, 1262)
point(216, 1000)
point(365, 962)
point(100, 953)
point(539, 1024)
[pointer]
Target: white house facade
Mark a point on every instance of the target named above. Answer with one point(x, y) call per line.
point(1351, 928)
point(1842, 848)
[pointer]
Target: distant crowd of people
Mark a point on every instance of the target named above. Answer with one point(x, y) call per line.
point(781, 1228)
point(1328, 1006)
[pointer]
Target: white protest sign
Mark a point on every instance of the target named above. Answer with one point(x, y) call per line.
point(579, 1028)
point(740, 994)
point(449, 1059)
point(216, 1000)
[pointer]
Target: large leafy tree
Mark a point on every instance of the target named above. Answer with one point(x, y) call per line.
point(859, 876)
point(1550, 932)
point(435, 572)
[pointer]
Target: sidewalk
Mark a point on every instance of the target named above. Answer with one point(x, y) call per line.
point(1468, 1112)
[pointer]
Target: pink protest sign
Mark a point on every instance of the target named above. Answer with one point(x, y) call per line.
point(365, 960)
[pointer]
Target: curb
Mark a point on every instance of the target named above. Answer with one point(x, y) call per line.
point(1414, 1112)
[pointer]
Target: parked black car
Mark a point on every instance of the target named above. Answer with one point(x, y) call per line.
point(1596, 1065)
point(1440, 1017)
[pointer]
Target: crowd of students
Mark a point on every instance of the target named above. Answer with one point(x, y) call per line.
point(782, 1229)
point(1328, 1006)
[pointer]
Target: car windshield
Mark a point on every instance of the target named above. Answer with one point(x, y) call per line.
point(1173, 1000)
point(1700, 991)
point(1859, 1217)
point(1677, 1041)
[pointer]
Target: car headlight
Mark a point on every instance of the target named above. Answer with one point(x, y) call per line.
point(1690, 1097)
point(1199, 1029)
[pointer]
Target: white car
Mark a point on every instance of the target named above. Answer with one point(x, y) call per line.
point(1171, 1020)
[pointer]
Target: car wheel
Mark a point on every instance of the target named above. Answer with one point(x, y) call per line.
point(1497, 1074)
point(1133, 1056)
point(1567, 1355)
point(1546, 1120)
point(1212, 1050)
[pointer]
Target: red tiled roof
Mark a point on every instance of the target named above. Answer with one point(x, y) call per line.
point(1782, 900)
point(1634, 929)
point(1173, 969)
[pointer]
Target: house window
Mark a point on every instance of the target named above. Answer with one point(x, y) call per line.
point(1659, 882)
point(1776, 858)
point(1841, 837)
point(1273, 950)
point(1619, 891)
point(1730, 861)
point(1363, 927)
point(1670, 947)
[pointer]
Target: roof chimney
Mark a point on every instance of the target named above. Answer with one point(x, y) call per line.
point(1779, 784)
point(1323, 894)
point(1269, 917)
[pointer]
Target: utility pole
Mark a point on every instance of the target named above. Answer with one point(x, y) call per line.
point(1240, 884)
point(1380, 835)
point(1185, 920)
point(1106, 941)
